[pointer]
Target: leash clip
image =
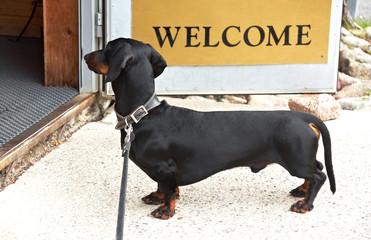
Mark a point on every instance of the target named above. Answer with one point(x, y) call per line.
point(128, 138)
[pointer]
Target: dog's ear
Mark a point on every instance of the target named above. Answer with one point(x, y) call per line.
point(120, 60)
point(157, 61)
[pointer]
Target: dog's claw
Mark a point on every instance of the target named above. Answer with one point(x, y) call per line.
point(163, 212)
point(301, 207)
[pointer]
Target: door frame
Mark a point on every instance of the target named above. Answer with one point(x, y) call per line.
point(91, 25)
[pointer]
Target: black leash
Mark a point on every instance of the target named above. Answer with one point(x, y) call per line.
point(126, 124)
point(124, 180)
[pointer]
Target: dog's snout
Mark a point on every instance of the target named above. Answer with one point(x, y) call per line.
point(86, 57)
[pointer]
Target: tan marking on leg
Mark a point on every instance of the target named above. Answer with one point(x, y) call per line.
point(315, 129)
point(305, 186)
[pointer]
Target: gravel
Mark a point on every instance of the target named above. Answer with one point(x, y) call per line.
point(72, 193)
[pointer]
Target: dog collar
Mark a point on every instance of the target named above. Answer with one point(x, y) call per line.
point(137, 114)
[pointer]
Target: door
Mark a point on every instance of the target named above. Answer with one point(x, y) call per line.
point(61, 48)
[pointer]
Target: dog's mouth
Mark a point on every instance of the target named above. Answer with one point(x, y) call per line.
point(93, 68)
point(94, 65)
point(101, 69)
point(97, 68)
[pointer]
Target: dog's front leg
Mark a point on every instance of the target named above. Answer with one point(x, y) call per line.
point(157, 197)
point(168, 186)
point(167, 210)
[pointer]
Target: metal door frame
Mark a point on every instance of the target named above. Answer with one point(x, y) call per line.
point(91, 29)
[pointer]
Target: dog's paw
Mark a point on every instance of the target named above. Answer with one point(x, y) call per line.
point(154, 198)
point(298, 192)
point(301, 207)
point(163, 212)
point(302, 190)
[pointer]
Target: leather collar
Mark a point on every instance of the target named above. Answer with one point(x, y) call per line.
point(137, 114)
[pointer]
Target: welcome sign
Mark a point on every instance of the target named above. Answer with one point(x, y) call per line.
point(234, 32)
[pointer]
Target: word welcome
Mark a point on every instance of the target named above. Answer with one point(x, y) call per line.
point(197, 36)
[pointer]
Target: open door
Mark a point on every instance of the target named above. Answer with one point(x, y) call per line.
point(61, 37)
point(71, 29)
point(41, 71)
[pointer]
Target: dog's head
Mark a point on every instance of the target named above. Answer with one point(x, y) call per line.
point(119, 54)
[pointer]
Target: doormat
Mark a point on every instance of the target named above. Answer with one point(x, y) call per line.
point(23, 99)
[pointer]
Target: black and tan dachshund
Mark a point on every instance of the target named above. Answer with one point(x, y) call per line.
point(177, 146)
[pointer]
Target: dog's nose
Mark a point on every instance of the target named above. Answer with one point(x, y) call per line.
point(86, 56)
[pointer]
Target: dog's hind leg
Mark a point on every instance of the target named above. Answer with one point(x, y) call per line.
point(315, 183)
point(302, 190)
point(157, 197)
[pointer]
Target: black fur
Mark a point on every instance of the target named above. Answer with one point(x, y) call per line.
point(177, 146)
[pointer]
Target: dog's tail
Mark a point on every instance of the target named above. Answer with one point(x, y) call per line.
point(327, 147)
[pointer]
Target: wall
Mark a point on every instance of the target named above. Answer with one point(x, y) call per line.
point(14, 15)
point(364, 9)
point(360, 8)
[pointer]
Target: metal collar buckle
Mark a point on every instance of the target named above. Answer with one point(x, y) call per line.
point(138, 114)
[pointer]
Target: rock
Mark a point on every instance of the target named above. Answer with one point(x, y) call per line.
point(343, 46)
point(360, 33)
point(324, 106)
point(367, 49)
point(211, 97)
point(268, 100)
point(360, 70)
point(354, 42)
point(345, 80)
point(362, 103)
point(358, 89)
point(351, 67)
point(360, 56)
point(199, 98)
point(235, 99)
point(368, 32)
point(345, 32)
point(344, 61)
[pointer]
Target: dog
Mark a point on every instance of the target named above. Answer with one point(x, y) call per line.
point(177, 146)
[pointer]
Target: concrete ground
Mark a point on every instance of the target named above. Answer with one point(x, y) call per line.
point(72, 193)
